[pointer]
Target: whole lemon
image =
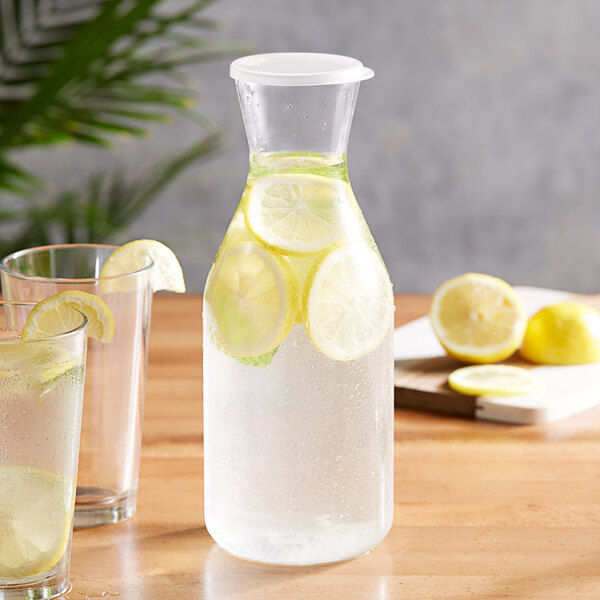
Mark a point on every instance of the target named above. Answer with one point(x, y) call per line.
point(567, 333)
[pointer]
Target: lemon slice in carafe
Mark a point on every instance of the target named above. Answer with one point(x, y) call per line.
point(252, 300)
point(296, 213)
point(348, 302)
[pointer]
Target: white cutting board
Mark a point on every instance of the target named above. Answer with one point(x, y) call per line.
point(568, 390)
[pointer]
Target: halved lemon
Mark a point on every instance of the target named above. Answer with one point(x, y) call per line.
point(494, 380)
point(252, 299)
point(478, 318)
point(348, 302)
point(35, 512)
point(166, 273)
point(296, 213)
point(55, 315)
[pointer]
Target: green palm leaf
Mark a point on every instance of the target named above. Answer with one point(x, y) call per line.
point(80, 74)
point(106, 204)
point(86, 72)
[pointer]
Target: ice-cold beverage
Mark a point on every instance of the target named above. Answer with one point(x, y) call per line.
point(41, 392)
point(298, 392)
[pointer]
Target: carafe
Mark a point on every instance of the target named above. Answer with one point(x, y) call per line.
point(298, 321)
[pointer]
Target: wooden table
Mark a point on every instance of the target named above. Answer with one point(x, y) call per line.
point(482, 510)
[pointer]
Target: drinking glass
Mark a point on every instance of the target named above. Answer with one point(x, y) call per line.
point(41, 396)
point(116, 372)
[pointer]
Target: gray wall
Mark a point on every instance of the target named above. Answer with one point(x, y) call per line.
point(475, 147)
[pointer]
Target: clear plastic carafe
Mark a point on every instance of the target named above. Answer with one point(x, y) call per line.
point(298, 321)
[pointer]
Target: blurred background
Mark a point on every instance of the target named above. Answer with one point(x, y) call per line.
point(476, 147)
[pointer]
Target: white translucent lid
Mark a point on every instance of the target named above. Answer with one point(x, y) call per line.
point(299, 68)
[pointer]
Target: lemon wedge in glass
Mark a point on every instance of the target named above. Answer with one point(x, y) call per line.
point(478, 318)
point(35, 509)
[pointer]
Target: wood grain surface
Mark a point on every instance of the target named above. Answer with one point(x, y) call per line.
point(482, 510)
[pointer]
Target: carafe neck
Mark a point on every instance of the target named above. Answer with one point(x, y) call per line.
point(314, 119)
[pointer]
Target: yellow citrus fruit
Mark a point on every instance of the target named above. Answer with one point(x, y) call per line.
point(296, 213)
point(478, 318)
point(166, 273)
point(567, 333)
point(41, 355)
point(34, 366)
point(493, 380)
point(252, 299)
point(348, 302)
point(35, 512)
point(55, 315)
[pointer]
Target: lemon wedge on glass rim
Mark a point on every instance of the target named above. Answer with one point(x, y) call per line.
point(478, 318)
point(296, 213)
point(165, 275)
point(55, 315)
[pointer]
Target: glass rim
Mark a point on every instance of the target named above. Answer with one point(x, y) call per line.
point(67, 280)
point(64, 334)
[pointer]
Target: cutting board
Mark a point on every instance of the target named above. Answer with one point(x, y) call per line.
point(422, 368)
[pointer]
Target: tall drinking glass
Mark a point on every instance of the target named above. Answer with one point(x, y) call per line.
point(41, 394)
point(116, 372)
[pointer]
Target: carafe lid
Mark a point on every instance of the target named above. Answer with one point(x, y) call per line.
point(298, 68)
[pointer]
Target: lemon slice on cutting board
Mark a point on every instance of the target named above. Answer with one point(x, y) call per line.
point(348, 302)
point(296, 213)
point(55, 315)
point(494, 380)
point(165, 274)
point(478, 318)
point(252, 300)
point(35, 512)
